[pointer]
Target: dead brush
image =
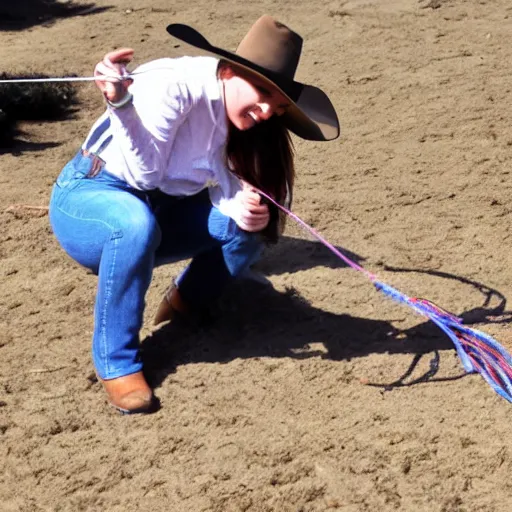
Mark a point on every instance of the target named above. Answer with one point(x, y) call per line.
point(22, 14)
point(32, 102)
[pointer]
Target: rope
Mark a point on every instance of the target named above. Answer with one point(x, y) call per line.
point(126, 76)
point(317, 235)
point(60, 79)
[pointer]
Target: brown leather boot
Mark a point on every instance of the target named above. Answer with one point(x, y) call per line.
point(171, 304)
point(130, 394)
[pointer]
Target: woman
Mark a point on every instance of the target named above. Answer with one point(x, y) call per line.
point(171, 171)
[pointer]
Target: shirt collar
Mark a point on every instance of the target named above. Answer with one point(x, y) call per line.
point(214, 90)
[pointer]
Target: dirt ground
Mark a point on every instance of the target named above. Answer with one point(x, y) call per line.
point(285, 402)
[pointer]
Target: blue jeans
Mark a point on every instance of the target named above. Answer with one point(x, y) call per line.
point(121, 233)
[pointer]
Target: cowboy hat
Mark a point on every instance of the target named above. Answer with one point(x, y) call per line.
point(271, 51)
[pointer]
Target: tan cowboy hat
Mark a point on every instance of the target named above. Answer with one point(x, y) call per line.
point(271, 51)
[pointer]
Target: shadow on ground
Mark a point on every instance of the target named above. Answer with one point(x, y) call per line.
point(254, 320)
point(294, 254)
point(23, 14)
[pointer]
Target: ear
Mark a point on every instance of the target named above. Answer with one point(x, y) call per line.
point(225, 70)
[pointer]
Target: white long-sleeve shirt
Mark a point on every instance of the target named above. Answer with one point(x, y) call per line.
point(173, 136)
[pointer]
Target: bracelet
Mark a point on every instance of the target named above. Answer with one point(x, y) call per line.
point(120, 104)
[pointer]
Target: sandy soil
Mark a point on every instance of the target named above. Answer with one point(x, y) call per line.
point(280, 404)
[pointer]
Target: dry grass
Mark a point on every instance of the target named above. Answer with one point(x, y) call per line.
point(30, 102)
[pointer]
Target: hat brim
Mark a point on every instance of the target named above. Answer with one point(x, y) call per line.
point(310, 115)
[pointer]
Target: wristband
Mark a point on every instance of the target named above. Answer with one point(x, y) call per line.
point(122, 103)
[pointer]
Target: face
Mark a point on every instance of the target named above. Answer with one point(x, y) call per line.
point(251, 101)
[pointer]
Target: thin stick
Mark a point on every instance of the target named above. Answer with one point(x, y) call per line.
point(16, 207)
point(48, 370)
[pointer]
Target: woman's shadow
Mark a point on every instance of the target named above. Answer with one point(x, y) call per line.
point(254, 320)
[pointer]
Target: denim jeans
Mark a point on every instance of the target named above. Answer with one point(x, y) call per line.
point(121, 233)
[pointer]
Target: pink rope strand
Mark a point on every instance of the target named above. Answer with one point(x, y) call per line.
point(319, 237)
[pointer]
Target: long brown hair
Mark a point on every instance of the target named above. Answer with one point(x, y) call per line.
point(263, 156)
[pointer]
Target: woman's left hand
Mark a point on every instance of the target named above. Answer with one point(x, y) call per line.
point(254, 216)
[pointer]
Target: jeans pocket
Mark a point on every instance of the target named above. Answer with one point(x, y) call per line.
point(73, 172)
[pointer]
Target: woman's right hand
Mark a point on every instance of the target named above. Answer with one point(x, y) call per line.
point(110, 72)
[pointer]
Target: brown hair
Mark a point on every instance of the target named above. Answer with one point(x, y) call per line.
point(263, 156)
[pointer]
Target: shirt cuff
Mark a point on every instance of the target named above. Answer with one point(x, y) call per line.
point(116, 105)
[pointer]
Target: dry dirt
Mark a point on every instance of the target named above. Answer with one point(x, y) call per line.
point(281, 404)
